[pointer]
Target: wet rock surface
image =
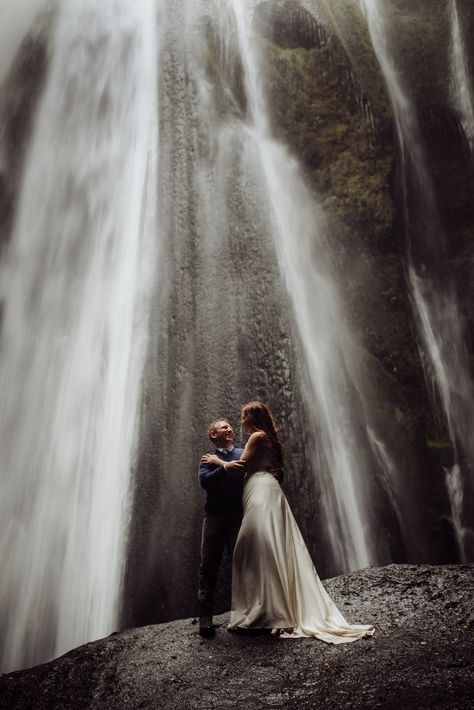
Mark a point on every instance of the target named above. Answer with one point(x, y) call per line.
point(420, 657)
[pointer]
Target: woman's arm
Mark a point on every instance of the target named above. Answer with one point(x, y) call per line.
point(248, 452)
point(213, 460)
point(252, 445)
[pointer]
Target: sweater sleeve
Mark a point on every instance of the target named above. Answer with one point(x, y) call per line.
point(208, 474)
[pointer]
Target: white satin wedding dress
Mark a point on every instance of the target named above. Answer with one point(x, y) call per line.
point(274, 582)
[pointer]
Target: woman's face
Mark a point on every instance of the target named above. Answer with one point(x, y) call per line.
point(246, 424)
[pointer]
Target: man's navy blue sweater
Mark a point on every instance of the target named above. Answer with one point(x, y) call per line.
point(224, 488)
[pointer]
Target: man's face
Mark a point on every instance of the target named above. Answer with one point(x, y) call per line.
point(223, 435)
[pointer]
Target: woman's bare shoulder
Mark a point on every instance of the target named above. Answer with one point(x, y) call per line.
point(259, 436)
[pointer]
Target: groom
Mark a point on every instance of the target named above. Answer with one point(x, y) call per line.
point(223, 515)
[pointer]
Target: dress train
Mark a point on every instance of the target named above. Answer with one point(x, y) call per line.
point(274, 582)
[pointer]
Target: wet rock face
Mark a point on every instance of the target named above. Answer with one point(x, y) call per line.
point(340, 128)
point(420, 657)
point(330, 106)
point(225, 333)
point(408, 6)
point(288, 25)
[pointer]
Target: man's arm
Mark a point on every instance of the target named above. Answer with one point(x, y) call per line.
point(209, 473)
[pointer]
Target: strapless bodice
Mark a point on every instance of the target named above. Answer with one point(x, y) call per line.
point(263, 460)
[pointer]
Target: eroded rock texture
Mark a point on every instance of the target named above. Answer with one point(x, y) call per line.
point(420, 657)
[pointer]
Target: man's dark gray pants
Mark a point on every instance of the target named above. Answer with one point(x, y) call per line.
point(217, 531)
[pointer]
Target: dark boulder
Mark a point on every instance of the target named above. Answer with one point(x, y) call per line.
point(420, 657)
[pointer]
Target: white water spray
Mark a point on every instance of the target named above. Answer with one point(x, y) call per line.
point(300, 245)
point(75, 287)
point(439, 319)
point(461, 81)
point(455, 492)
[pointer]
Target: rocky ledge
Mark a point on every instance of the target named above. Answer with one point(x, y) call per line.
point(422, 656)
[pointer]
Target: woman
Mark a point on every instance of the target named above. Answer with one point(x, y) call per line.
point(274, 582)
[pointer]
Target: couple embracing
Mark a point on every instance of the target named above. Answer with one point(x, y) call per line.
point(274, 583)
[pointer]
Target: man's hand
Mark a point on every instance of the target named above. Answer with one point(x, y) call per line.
point(212, 459)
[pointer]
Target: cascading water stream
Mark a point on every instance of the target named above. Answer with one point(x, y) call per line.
point(433, 293)
point(233, 204)
point(17, 18)
point(461, 82)
point(75, 287)
point(463, 102)
point(300, 245)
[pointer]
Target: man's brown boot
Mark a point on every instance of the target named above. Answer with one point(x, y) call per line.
point(206, 627)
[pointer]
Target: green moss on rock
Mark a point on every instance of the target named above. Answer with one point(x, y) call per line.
point(345, 21)
point(341, 129)
point(315, 110)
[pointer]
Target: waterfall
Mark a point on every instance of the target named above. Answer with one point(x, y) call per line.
point(248, 307)
point(455, 493)
point(75, 285)
point(17, 18)
point(221, 334)
point(297, 225)
point(461, 82)
point(111, 315)
point(432, 289)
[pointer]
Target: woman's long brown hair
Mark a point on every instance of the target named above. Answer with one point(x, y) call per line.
point(261, 418)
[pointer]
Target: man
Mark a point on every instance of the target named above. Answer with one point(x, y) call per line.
point(223, 515)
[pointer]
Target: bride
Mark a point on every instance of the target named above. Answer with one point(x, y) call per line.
point(274, 582)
